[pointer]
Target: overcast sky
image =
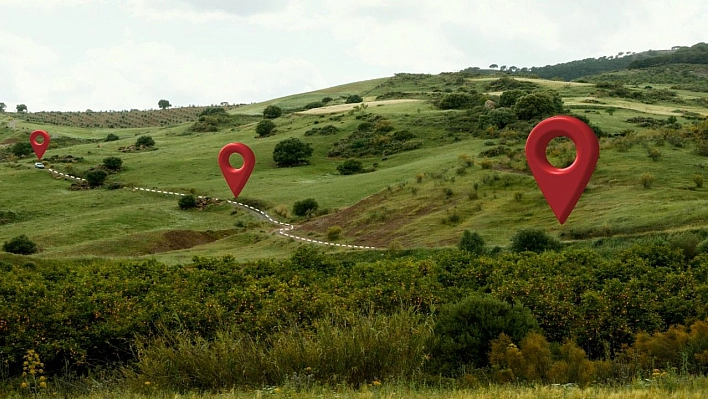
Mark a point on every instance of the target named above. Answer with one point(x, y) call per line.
point(71, 55)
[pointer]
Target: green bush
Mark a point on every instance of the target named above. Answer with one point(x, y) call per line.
point(111, 137)
point(354, 98)
point(96, 177)
point(333, 233)
point(646, 180)
point(21, 149)
point(350, 167)
point(534, 240)
point(304, 207)
point(145, 141)
point(113, 163)
point(187, 202)
point(20, 245)
point(272, 112)
point(472, 242)
point(465, 329)
point(265, 127)
point(292, 152)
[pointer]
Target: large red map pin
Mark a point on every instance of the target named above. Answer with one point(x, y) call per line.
point(236, 178)
point(562, 187)
point(39, 148)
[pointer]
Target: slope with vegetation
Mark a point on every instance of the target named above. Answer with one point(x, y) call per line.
point(478, 283)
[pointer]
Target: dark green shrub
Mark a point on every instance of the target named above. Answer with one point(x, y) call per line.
point(187, 202)
point(21, 149)
point(302, 208)
point(20, 245)
point(472, 242)
point(350, 167)
point(113, 163)
point(534, 240)
point(292, 152)
point(265, 127)
point(465, 330)
point(95, 177)
point(212, 111)
point(314, 104)
point(457, 101)
point(272, 112)
point(354, 98)
point(144, 141)
point(111, 137)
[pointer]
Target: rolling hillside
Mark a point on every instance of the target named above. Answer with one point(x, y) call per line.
point(430, 172)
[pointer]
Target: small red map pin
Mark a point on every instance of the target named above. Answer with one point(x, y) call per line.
point(39, 148)
point(236, 178)
point(562, 187)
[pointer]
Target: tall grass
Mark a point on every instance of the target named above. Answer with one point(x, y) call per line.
point(358, 350)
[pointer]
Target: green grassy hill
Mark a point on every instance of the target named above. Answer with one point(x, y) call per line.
point(427, 177)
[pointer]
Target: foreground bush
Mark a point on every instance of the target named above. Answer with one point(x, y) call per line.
point(464, 330)
point(350, 351)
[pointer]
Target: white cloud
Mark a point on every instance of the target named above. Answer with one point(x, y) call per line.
point(137, 75)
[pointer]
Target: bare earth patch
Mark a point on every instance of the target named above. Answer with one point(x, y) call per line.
point(333, 109)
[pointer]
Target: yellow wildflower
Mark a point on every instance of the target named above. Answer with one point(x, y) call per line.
point(23, 385)
point(42, 384)
point(376, 383)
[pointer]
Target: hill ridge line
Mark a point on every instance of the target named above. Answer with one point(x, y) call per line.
point(282, 231)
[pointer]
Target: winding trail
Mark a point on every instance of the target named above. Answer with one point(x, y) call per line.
point(284, 227)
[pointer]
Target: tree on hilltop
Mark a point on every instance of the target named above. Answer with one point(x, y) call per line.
point(2, 107)
point(21, 108)
point(163, 104)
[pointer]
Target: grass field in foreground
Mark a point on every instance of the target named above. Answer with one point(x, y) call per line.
point(692, 389)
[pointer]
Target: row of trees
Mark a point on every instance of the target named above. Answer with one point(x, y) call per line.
point(19, 107)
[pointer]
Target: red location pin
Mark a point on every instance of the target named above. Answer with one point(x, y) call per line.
point(39, 148)
point(562, 187)
point(236, 178)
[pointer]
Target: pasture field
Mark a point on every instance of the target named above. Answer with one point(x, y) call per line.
point(150, 282)
point(422, 197)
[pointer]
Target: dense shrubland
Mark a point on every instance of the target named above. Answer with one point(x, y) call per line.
point(89, 313)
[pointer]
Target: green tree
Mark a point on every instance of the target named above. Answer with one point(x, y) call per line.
point(163, 104)
point(292, 152)
point(534, 240)
point(113, 163)
point(96, 177)
point(508, 98)
point(538, 105)
point(144, 141)
point(21, 149)
point(272, 112)
point(472, 242)
point(265, 127)
point(466, 329)
point(304, 207)
point(2, 107)
point(20, 245)
point(353, 99)
point(21, 108)
point(457, 101)
point(493, 66)
point(111, 137)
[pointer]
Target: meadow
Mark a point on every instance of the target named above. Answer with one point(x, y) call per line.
point(439, 156)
